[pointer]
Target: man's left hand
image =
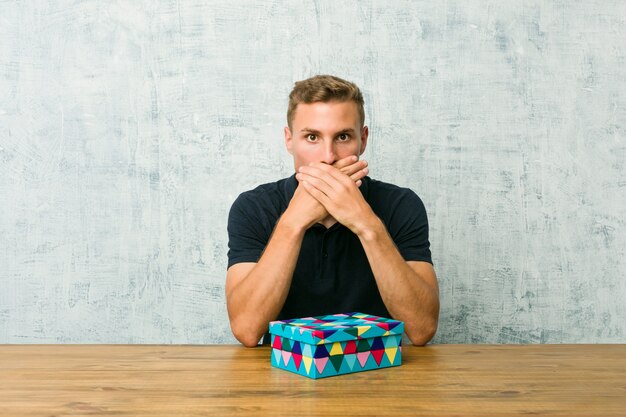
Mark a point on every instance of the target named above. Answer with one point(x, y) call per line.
point(338, 193)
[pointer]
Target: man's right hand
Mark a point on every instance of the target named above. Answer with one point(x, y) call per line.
point(304, 211)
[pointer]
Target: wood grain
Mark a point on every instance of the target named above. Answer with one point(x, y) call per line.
point(439, 380)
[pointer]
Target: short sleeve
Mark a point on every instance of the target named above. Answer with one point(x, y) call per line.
point(408, 227)
point(247, 236)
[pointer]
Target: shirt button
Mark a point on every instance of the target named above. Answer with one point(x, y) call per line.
point(325, 255)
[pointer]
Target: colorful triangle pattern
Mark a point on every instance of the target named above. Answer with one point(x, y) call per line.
point(319, 362)
point(334, 328)
point(323, 346)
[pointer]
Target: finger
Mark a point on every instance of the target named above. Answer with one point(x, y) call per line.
point(328, 173)
point(354, 168)
point(357, 176)
point(325, 173)
point(318, 183)
point(316, 194)
point(346, 162)
point(358, 183)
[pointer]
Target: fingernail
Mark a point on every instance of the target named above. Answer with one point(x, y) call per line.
point(354, 157)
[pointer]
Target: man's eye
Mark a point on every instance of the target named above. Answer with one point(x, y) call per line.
point(343, 137)
point(311, 138)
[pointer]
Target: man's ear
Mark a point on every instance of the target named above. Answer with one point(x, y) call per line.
point(288, 139)
point(364, 135)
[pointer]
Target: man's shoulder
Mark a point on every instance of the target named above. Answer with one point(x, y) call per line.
point(267, 188)
point(253, 216)
point(272, 195)
point(387, 199)
point(385, 186)
point(385, 190)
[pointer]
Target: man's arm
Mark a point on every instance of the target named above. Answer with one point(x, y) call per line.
point(408, 289)
point(256, 292)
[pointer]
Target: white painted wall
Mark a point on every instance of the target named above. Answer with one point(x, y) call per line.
point(128, 128)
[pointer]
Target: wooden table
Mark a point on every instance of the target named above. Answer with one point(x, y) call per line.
point(440, 380)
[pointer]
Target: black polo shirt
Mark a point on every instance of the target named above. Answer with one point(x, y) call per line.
point(332, 274)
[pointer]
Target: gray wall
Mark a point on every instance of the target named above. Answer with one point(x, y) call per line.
point(128, 128)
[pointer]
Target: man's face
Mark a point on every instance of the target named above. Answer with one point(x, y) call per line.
point(325, 132)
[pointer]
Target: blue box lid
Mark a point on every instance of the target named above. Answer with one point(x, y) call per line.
point(335, 328)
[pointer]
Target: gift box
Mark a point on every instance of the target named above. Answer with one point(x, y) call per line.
point(337, 344)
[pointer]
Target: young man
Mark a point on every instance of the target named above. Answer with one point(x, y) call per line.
point(329, 239)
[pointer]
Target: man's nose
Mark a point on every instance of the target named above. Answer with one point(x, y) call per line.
point(329, 156)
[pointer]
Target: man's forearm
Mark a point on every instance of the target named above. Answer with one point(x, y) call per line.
point(260, 296)
point(408, 296)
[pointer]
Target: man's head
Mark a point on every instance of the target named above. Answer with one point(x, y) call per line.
point(325, 120)
point(324, 88)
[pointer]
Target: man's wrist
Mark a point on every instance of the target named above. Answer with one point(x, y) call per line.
point(370, 229)
point(290, 225)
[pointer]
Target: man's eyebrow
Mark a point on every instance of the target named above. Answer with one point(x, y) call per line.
point(317, 132)
point(306, 129)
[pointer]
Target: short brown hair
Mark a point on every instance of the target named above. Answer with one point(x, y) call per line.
point(324, 88)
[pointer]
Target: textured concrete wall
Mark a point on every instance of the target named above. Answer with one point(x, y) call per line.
point(128, 128)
